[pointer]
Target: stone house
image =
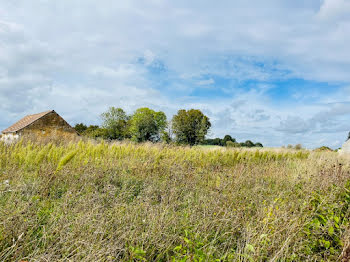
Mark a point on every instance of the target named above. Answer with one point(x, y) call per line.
point(47, 124)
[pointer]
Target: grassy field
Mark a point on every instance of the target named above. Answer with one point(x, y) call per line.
point(126, 202)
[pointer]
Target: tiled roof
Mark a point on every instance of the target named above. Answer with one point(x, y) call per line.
point(25, 121)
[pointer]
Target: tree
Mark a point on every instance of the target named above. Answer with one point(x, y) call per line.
point(348, 136)
point(95, 131)
point(232, 144)
point(167, 134)
point(298, 147)
point(165, 137)
point(217, 141)
point(226, 139)
point(80, 128)
point(249, 143)
point(115, 122)
point(258, 144)
point(190, 127)
point(147, 125)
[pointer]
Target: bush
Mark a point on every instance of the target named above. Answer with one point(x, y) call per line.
point(324, 149)
point(298, 147)
point(232, 144)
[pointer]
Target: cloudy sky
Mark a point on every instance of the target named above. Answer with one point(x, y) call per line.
point(272, 71)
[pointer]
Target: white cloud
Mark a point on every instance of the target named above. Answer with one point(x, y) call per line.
point(121, 71)
point(335, 9)
point(206, 82)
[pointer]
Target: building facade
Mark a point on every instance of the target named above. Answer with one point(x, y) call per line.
point(47, 124)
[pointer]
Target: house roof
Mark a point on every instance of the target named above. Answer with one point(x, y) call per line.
point(25, 121)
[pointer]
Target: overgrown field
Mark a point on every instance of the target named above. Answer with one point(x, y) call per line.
point(127, 202)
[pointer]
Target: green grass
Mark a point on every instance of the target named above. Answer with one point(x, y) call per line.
point(128, 202)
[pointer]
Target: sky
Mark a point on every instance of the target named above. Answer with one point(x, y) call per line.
point(272, 71)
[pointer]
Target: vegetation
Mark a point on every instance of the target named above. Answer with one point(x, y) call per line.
point(296, 147)
point(147, 125)
point(190, 127)
point(324, 148)
point(218, 141)
point(230, 142)
point(115, 123)
point(187, 127)
point(91, 201)
point(92, 131)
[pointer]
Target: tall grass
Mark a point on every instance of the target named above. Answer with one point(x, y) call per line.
point(127, 202)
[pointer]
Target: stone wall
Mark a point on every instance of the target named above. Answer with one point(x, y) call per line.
point(9, 138)
point(50, 126)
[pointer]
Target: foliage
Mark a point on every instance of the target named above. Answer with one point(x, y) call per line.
point(214, 141)
point(226, 139)
point(190, 127)
point(248, 143)
point(94, 131)
point(191, 249)
point(218, 141)
point(165, 137)
point(65, 159)
point(147, 125)
point(115, 121)
point(323, 149)
point(91, 201)
point(324, 232)
point(230, 142)
point(80, 128)
point(298, 147)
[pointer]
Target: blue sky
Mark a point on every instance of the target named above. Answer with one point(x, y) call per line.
point(270, 71)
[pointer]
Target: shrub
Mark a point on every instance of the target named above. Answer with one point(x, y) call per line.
point(323, 149)
point(298, 147)
point(232, 144)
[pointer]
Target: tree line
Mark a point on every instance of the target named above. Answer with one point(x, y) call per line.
point(186, 127)
point(230, 142)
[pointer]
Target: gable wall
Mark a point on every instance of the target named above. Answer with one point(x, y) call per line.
point(50, 125)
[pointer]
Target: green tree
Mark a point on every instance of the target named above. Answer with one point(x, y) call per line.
point(190, 127)
point(226, 139)
point(232, 144)
point(165, 137)
point(249, 143)
point(147, 125)
point(298, 147)
point(80, 128)
point(94, 131)
point(115, 122)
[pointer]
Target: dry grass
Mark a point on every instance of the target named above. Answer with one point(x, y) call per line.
point(127, 202)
